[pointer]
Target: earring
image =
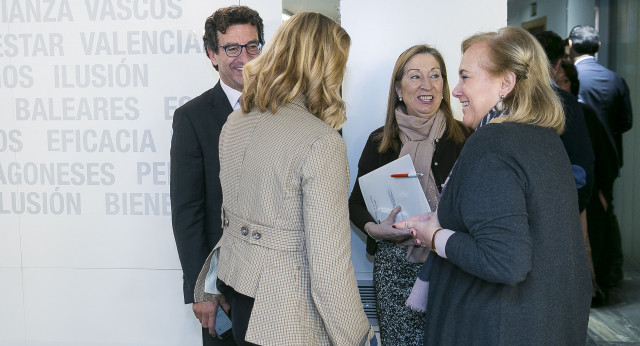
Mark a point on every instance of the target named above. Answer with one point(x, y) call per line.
point(400, 98)
point(500, 105)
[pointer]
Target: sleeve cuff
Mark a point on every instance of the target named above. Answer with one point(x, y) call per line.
point(579, 175)
point(441, 241)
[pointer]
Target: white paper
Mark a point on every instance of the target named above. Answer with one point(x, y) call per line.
point(212, 274)
point(382, 193)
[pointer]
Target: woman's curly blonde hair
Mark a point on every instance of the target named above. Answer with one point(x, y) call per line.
point(307, 56)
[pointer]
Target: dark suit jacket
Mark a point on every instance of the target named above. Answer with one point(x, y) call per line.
point(577, 143)
point(608, 94)
point(605, 164)
point(196, 195)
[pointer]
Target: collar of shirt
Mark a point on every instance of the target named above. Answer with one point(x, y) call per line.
point(232, 94)
point(584, 58)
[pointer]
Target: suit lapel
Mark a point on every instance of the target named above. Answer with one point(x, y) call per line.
point(219, 104)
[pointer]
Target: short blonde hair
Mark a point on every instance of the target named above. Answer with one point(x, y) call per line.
point(532, 100)
point(308, 56)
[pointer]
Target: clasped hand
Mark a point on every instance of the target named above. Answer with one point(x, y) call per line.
point(384, 230)
point(420, 227)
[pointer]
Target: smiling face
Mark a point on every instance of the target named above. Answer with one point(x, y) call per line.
point(477, 90)
point(230, 69)
point(421, 86)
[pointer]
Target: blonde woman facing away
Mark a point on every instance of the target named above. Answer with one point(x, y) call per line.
point(285, 252)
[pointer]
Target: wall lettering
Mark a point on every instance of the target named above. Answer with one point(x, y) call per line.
point(10, 140)
point(13, 76)
point(92, 141)
point(31, 45)
point(173, 102)
point(25, 11)
point(77, 108)
point(54, 203)
point(132, 9)
point(137, 203)
point(140, 42)
point(101, 75)
point(156, 173)
point(57, 173)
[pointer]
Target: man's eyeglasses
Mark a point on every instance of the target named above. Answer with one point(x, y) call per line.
point(234, 50)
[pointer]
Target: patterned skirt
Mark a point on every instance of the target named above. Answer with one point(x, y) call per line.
point(393, 278)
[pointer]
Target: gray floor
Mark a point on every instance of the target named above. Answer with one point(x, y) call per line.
point(618, 323)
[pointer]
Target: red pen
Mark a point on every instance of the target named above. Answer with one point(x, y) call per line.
point(406, 175)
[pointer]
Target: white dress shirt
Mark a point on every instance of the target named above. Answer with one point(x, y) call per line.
point(232, 94)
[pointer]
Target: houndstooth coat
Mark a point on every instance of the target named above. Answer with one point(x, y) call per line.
point(286, 239)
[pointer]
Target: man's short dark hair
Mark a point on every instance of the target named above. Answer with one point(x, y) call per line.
point(584, 39)
point(225, 17)
point(552, 45)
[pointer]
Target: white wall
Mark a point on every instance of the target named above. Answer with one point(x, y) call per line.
point(90, 274)
point(555, 10)
point(562, 15)
point(380, 30)
point(86, 277)
point(580, 12)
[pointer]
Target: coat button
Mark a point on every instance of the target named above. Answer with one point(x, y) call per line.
point(256, 235)
point(244, 230)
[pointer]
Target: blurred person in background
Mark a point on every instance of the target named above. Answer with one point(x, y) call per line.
point(606, 170)
point(576, 136)
point(607, 93)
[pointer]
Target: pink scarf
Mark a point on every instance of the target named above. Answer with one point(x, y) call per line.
point(418, 136)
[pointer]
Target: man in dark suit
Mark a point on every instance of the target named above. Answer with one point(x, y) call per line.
point(576, 136)
point(608, 94)
point(233, 36)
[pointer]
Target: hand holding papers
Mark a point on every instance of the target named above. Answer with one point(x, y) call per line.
point(382, 192)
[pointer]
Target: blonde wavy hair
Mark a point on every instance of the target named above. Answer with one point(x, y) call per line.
point(307, 56)
point(532, 100)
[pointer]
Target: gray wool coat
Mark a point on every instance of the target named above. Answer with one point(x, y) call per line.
point(516, 271)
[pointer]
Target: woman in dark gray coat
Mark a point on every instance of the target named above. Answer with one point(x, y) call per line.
point(509, 265)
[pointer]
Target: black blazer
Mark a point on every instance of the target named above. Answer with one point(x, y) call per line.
point(605, 165)
point(608, 94)
point(577, 142)
point(196, 195)
point(444, 157)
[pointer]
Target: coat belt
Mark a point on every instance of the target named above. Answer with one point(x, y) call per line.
point(255, 234)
